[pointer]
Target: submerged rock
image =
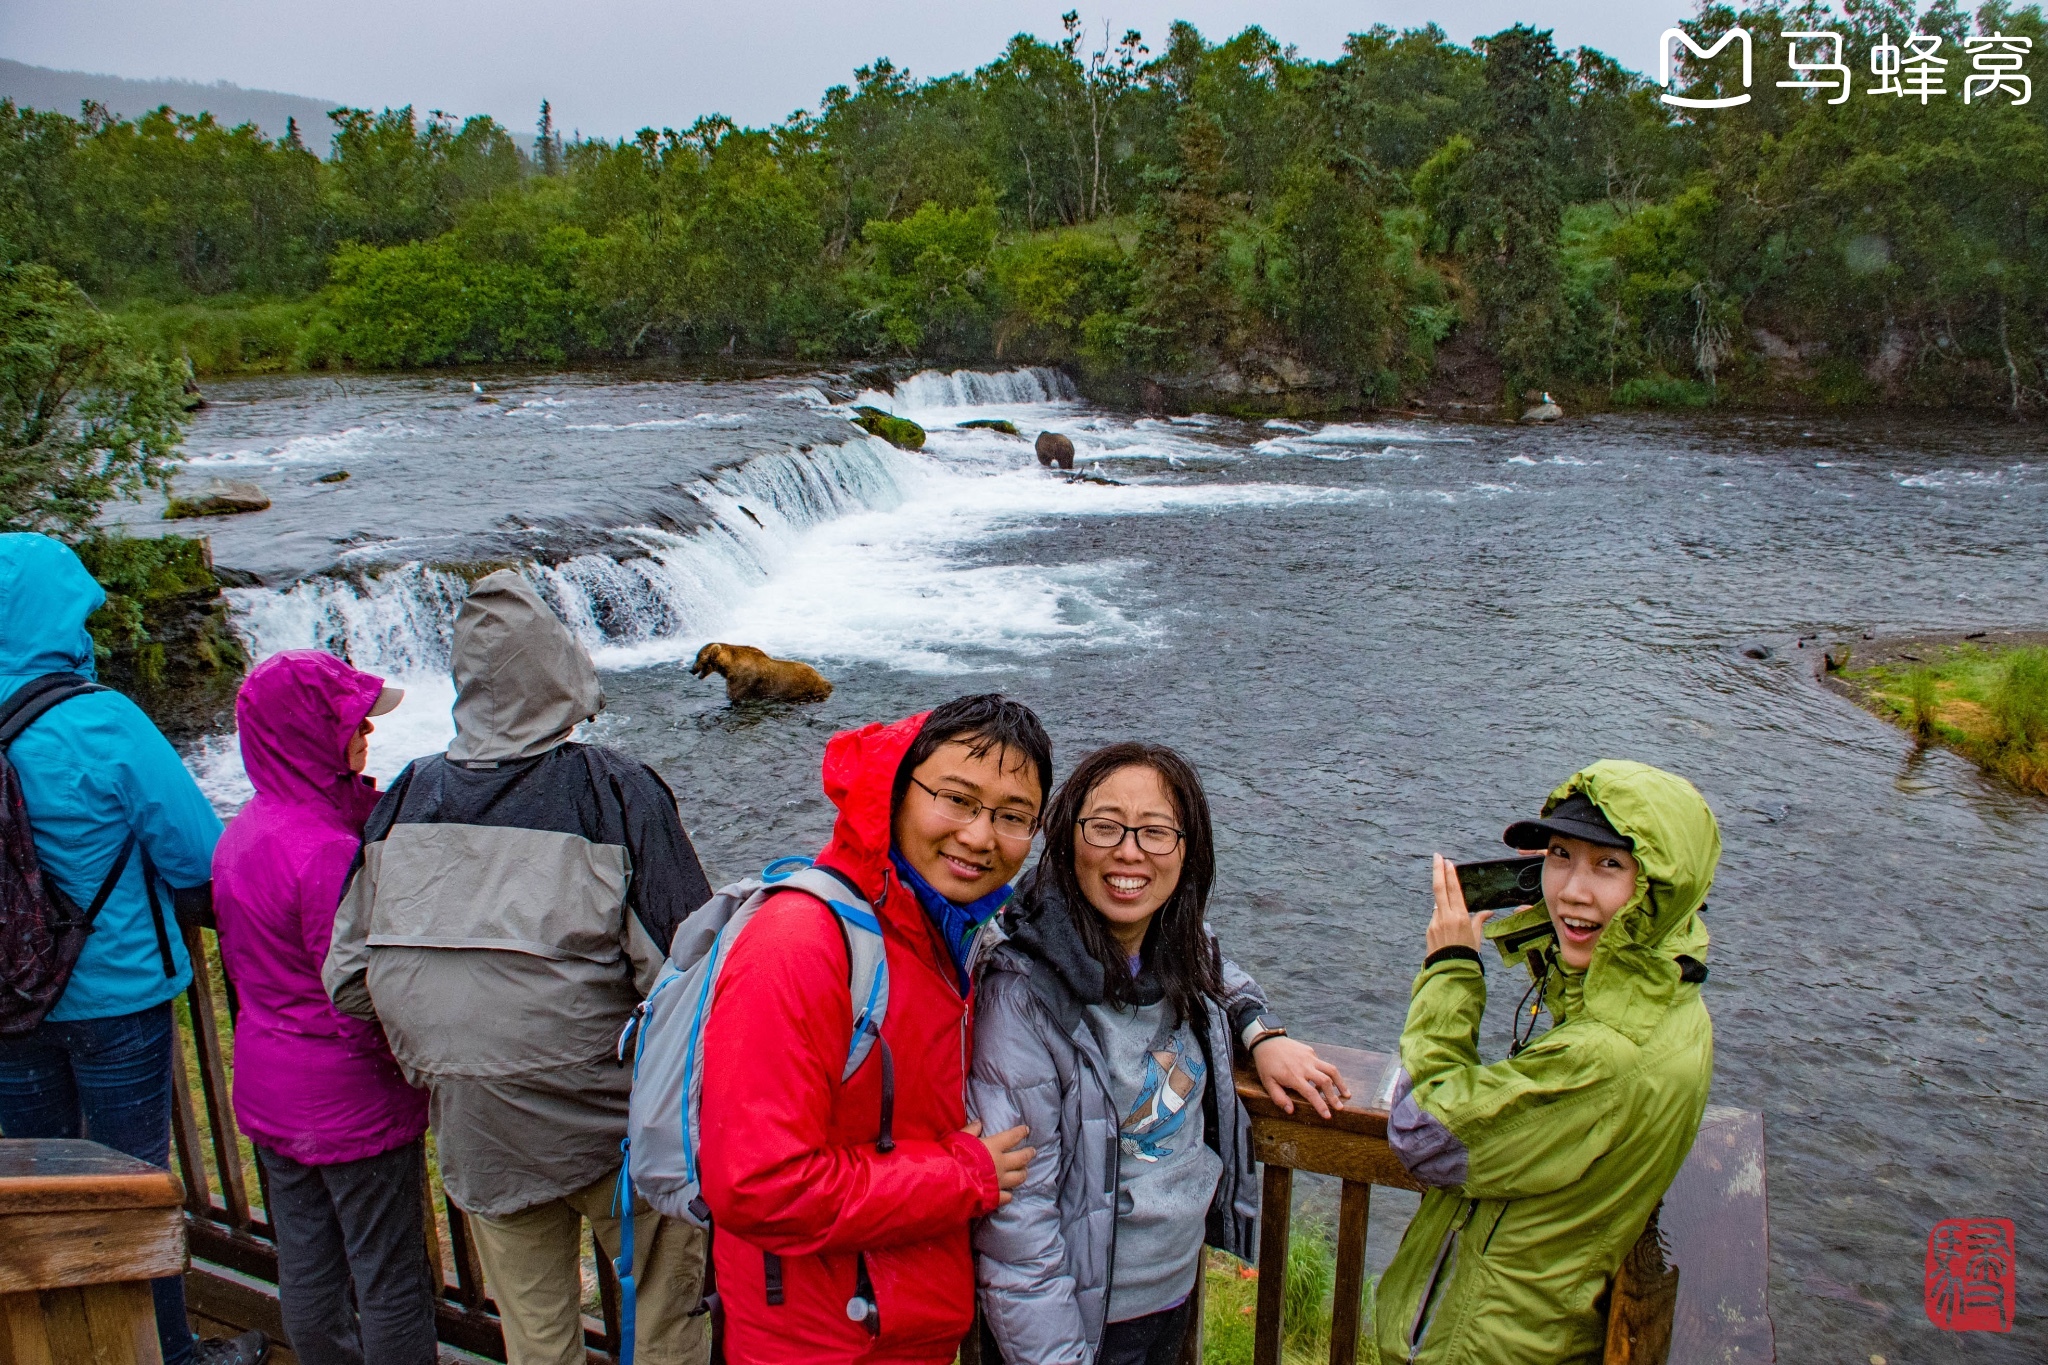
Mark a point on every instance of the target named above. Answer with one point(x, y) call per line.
point(220, 498)
point(900, 432)
point(1004, 425)
point(1055, 449)
point(338, 476)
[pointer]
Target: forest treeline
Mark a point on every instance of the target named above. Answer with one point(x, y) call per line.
point(1225, 220)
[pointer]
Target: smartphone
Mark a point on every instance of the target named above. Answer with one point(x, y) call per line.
point(1502, 883)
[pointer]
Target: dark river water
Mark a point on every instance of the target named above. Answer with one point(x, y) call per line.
point(1376, 639)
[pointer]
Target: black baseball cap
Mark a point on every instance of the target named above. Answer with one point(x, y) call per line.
point(1576, 817)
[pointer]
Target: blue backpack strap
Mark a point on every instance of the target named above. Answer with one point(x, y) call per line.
point(622, 1264)
point(867, 961)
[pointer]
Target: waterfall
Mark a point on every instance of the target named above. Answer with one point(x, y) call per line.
point(399, 623)
point(974, 389)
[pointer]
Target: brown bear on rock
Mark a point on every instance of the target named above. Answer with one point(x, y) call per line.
point(751, 675)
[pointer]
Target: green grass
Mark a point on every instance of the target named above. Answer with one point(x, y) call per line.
point(1231, 1295)
point(1990, 705)
point(230, 334)
point(1663, 392)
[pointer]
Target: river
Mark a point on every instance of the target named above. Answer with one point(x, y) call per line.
point(1376, 638)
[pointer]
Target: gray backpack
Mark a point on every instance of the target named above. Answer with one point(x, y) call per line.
point(663, 1125)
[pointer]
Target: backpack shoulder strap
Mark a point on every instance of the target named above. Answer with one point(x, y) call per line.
point(37, 696)
point(867, 962)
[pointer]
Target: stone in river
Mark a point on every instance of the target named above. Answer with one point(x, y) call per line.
point(220, 498)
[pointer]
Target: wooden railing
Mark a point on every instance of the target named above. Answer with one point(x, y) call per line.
point(234, 1250)
point(1713, 1223)
point(1714, 1219)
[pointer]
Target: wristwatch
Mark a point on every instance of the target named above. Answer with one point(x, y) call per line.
point(1259, 1030)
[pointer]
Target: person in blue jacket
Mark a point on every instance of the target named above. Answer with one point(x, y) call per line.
point(92, 770)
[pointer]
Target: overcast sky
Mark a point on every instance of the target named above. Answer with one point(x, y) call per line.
point(611, 66)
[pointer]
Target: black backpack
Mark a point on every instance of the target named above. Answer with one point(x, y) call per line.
point(42, 930)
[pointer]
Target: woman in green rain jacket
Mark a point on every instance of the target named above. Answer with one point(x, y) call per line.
point(1544, 1168)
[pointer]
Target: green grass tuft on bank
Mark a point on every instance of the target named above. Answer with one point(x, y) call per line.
point(1231, 1296)
point(1990, 705)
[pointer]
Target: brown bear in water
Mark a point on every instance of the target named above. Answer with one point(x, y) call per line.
point(1055, 449)
point(751, 675)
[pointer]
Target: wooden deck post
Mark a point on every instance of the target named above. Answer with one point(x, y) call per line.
point(1353, 1210)
point(1276, 1214)
point(83, 1230)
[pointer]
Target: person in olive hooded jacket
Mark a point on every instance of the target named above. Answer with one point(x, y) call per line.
point(1544, 1168)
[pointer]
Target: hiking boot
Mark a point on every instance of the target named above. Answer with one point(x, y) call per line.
point(250, 1348)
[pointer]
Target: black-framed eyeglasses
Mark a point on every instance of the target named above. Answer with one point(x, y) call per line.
point(1102, 832)
point(962, 809)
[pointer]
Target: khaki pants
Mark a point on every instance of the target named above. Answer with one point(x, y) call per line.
point(533, 1267)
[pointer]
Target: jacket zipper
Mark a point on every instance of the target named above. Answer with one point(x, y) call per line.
point(1111, 1176)
point(1447, 1252)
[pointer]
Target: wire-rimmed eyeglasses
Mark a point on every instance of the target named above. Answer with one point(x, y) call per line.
point(962, 809)
point(1102, 832)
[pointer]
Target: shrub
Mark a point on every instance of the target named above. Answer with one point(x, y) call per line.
point(86, 415)
point(235, 335)
point(2019, 700)
point(436, 303)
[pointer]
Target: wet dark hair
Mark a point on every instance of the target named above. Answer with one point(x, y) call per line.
point(985, 721)
point(1177, 945)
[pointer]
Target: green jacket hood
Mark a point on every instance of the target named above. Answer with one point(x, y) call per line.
point(1635, 976)
point(45, 596)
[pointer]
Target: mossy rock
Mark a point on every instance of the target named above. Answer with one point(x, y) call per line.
point(1008, 428)
point(163, 635)
point(900, 432)
point(220, 498)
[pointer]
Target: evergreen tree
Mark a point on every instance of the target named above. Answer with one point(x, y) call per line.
point(547, 143)
point(1512, 208)
point(1185, 303)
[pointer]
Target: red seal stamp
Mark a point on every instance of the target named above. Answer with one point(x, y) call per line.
point(1971, 1267)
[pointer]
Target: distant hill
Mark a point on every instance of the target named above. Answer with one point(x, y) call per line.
point(38, 87)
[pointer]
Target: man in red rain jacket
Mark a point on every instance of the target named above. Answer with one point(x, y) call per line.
point(827, 1250)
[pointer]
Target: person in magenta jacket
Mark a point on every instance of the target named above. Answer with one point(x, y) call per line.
point(336, 1127)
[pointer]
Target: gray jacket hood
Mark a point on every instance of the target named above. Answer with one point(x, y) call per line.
point(522, 681)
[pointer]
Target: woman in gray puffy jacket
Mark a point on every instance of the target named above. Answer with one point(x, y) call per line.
point(1107, 1021)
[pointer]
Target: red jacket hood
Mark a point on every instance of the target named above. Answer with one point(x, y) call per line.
point(860, 776)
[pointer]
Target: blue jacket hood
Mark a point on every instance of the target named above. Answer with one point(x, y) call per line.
point(45, 596)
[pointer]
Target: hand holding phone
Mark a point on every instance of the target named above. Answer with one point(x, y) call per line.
point(1450, 924)
point(1501, 883)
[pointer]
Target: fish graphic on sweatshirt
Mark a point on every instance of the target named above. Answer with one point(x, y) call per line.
point(1173, 1081)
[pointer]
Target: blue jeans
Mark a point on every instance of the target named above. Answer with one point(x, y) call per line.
point(108, 1080)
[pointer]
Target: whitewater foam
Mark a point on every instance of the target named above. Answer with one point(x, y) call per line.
point(319, 446)
point(843, 555)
